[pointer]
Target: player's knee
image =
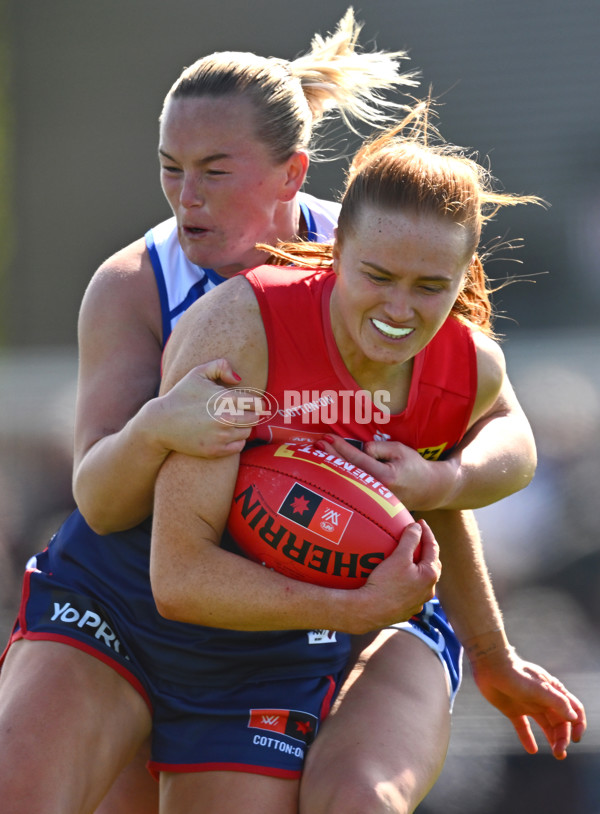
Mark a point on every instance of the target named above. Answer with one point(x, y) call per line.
point(354, 793)
point(376, 798)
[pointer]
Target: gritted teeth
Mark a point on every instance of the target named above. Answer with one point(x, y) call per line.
point(387, 330)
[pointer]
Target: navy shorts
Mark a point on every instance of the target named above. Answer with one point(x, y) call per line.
point(262, 725)
point(219, 699)
point(244, 728)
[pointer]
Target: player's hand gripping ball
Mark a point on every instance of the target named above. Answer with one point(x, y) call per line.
point(313, 516)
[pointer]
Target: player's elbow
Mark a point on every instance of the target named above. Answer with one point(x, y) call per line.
point(109, 515)
point(529, 470)
point(521, 461)
point(92, 516)
point(97, 519)
point(167, 593)
point(168, 609)
point(102, 524)
point(523, 466)
point(168, 604)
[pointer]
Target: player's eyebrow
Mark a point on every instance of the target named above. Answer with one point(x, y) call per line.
point(382, 270)
point(206, 160)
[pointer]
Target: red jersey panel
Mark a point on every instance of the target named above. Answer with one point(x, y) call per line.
point(315, 393)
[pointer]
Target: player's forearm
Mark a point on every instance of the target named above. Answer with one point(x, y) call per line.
point(195, 580)
point(113, 484)
point(229, 592)
point(465, 588)
point(496, 458)
point(205, 585)
point(200, 583)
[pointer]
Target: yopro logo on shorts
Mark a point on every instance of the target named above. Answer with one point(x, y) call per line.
point(88, 618)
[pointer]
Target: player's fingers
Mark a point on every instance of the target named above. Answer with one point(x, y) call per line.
point(245, 417)
point(560, 744)
point(525, 734)
point(231, 448)
point(427, 550)
point(559, 738)
point(559, 704)
point(578, 722)
point(411, 539)
point(354, 455)
point(237, 407)
point(578, 728)
point(564, 706)
point(384, 450)
point(557, 733)
point(218, 370)
point(420, 546)
point(325, 446)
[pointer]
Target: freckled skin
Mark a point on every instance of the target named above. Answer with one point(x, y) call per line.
point(212, 159)
point(392, 279)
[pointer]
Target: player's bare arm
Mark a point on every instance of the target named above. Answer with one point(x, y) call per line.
point(518, 689)
point(119, 363)
point(122, 426)
point(497, 456)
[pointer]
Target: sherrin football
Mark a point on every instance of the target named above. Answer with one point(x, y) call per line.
point(313, 516)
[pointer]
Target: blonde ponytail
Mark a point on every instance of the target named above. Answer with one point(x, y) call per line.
point(336, 75)
point(291, 98)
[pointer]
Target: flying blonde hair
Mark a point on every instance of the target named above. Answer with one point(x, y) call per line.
point(291, 97)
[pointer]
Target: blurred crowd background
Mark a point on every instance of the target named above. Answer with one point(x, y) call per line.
point(81, 86)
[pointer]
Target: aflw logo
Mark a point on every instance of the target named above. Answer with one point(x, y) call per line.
point(296, 724)
point(330, 520)
point(315, 512)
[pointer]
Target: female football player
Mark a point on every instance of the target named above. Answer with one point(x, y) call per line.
point(401, 307)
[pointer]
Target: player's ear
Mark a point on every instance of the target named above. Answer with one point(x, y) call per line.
point(295, 168)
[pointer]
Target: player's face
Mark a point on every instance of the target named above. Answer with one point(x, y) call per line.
point(398, 276)
point(222, 184)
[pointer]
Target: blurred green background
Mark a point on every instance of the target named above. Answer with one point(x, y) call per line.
point(81, 87)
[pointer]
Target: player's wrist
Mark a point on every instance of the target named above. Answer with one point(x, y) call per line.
point(443, 485)
point(352, 608)
point(487, 647)
point(359, 611)
point(144, 429)
point(449, 482)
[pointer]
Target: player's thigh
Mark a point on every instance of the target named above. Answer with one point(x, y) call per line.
point(68, 725)
point(226, 792)
point(135, 791)
point(384, 745)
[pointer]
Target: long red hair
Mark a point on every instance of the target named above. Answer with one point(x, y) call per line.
point(410, 168)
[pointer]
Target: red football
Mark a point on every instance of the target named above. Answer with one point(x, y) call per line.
point(313, 516)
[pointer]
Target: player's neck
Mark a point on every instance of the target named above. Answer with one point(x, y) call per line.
point(289, 222)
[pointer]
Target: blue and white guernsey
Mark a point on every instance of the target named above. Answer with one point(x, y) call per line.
point(180, 282)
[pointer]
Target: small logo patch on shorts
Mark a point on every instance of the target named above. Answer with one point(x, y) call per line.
point(321, 636)
point(300, 726)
